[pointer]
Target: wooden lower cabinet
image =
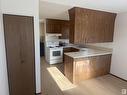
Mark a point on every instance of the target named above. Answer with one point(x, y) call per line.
point(70, 49)
point(77, 70)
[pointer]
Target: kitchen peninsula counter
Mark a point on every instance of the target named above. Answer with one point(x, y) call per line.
point(89, 52)
point(86, 64)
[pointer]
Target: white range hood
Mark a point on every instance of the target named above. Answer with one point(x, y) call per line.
point(53, 34)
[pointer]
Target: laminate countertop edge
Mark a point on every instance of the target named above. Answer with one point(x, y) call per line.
point(91, 53)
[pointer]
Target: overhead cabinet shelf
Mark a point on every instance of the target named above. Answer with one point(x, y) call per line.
point(56, 26)
point(91, 26)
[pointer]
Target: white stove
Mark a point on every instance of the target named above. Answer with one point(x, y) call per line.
point(54, 53)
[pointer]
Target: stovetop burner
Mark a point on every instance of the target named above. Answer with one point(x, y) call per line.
point(51, 47)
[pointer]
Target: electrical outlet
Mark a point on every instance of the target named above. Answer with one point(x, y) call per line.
point(124, 91)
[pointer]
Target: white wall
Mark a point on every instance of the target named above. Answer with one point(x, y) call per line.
point(119, 58)
point(28, 8)
point(42, 30)
point(3, 69)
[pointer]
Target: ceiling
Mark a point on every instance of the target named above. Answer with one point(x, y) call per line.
point(58, 9)
point(53, 10)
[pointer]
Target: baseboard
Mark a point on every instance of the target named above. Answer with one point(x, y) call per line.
point(39, 93)
point(118, 77)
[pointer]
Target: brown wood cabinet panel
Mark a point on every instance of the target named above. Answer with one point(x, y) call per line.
point(86, 68)
point(91, 67)
point(72, 26)
point(19, 40)
point(70, 49)
point(58, 26)
point(65, 28)
point(91, 26)
point(68, 67)
point(53, 26)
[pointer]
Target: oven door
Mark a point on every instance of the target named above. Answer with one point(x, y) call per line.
point(56, 54)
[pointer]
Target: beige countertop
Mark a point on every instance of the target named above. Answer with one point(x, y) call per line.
point(89, 52)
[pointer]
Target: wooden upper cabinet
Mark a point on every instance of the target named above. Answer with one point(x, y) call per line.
point(65, 28)
point(91, 26)
point(53, 26)
point(80, 69)
point(58, 26)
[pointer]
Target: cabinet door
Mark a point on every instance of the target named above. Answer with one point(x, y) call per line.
point(95, 27)
point(91, 67)
point(80, 26)
point(91, 26)
point(100, 26)
point(82, 70)
point(109, 29)
point(68, 67)
point(58, 26)
point(65, 31)
point(53, 28)
point(19, 40)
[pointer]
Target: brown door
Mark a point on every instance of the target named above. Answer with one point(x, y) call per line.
point(19, 40)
